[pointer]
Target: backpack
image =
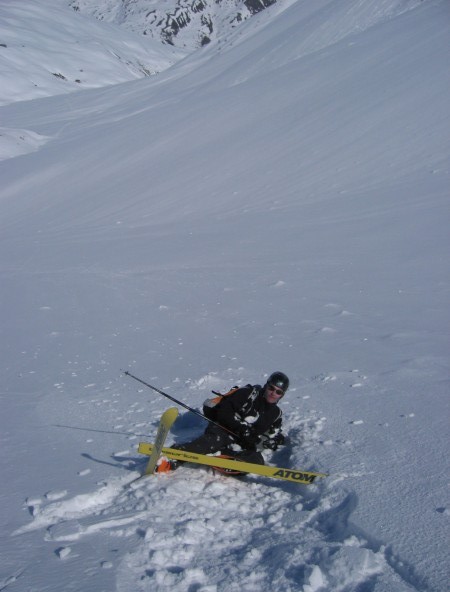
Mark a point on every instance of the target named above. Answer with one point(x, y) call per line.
point(209, 405)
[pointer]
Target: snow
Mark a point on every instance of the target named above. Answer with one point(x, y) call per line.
point(187, 24)
point(275, 201)
point(48, 48)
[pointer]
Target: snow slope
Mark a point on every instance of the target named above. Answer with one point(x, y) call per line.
point(278, 200)
point(47, 48)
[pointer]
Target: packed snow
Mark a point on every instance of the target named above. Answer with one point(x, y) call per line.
point(278, 200)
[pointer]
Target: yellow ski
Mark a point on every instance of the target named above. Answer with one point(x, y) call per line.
point(167, 420)
point(294, 475)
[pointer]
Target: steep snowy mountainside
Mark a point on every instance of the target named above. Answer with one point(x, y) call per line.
point(189, 24)
point(275, 200)
point(46, 49)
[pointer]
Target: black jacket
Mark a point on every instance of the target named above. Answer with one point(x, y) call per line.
point(248, 402)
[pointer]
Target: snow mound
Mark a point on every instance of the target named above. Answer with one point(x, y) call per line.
point(14, 142)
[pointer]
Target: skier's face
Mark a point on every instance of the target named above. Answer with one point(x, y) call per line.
point(273, 394)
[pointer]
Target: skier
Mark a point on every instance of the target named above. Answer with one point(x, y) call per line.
point(251, 418)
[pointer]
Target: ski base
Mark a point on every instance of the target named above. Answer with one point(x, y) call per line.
point(293, 475)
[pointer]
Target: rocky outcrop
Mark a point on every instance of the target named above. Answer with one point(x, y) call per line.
point(188, 24)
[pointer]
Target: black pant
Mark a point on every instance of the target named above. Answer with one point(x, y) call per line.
point(216, 440)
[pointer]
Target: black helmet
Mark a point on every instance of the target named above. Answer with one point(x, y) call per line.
point(279, 380)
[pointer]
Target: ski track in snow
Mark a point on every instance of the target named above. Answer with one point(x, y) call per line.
point(196, 530)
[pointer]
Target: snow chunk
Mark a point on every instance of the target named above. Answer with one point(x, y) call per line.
point(317, 580)
point(55, 495)
point(14, 142)
point(63, 552)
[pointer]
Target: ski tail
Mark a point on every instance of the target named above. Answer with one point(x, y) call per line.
point(167, 420)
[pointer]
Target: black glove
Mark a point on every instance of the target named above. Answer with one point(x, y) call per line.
point(273, 443)
point(247, 438)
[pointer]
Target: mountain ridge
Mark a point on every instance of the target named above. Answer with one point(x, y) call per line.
point(188, 24)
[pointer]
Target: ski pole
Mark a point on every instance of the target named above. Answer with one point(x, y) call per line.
point(179, 402)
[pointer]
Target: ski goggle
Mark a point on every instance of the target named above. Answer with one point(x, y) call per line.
point(275, 389)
